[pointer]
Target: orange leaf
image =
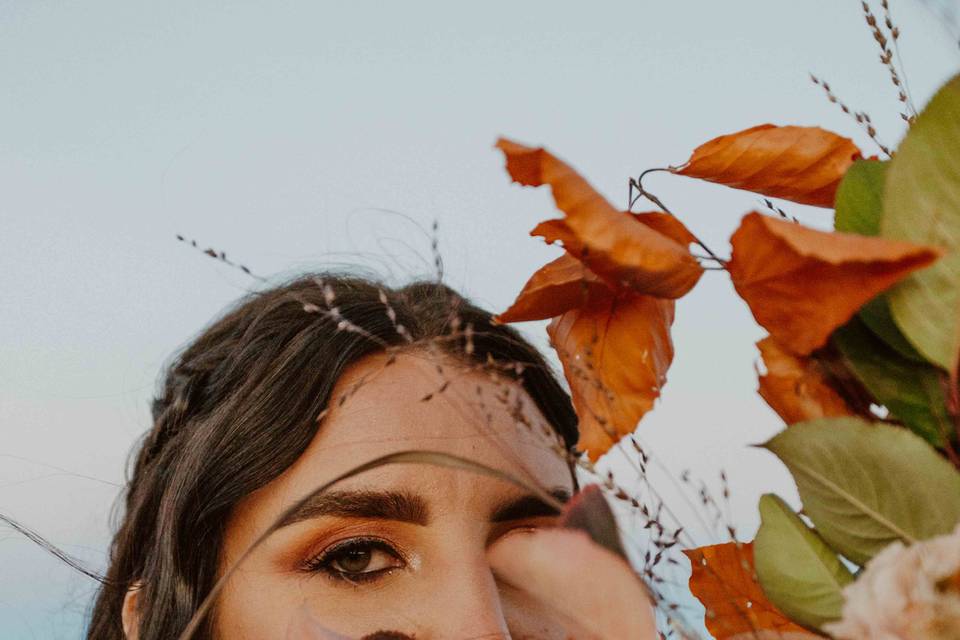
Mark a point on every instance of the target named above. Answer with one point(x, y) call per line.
point(612, 243)
point(667, 224)
point(796, 387)
point(802, 164)
point(801, 283)
point(618, 249)
point(556, 287)
point(724, 580)
point(615, 352)
point(535, 166)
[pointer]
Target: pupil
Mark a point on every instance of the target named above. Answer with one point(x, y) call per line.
point(355, 560)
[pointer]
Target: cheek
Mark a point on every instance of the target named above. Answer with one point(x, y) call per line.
point(444, 598)
point(312, 608)
point(257, 605)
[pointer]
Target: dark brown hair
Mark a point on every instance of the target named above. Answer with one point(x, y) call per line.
point(240, 404)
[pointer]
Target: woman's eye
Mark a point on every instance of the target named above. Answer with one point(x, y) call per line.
point(354, 560)
point(357, 560)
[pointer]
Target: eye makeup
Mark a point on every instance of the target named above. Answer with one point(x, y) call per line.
point(356, 560)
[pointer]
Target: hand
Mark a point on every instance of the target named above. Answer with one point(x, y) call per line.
point(593, 587)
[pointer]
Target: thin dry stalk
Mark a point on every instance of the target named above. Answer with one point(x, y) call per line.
point(861, 117)
point(897, 77)
point(220, 256)
point(435, 251)
point(777, 210)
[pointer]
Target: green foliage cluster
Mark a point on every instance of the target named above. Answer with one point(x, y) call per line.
point(865, 485)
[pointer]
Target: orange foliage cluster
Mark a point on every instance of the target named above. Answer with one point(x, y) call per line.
point(611, 296)
point(611, 300)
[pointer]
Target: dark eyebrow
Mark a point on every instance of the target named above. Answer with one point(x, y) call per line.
point(380, 505)
point(529, 506)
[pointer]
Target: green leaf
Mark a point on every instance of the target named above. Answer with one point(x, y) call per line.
point(877, 316)
point(801, 575)
point(922, 205)
point(859, 203)
point(912, 391)
point(866, 485)
point(859, 209)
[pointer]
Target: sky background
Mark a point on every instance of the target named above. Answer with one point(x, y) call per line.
point(299, 135)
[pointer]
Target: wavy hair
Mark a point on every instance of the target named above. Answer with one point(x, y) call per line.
point(241, 403)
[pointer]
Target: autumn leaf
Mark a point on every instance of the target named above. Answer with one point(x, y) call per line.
point(796, 387)
point(724, 580)
point(616, 246)
point(617, 249)
point(801, 283)
point(667, 224)
point(556, 287)
point(535, 166)
point(615, 351)
point(802, 164)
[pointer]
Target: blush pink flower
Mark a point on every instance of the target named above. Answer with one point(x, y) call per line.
point(905, 593)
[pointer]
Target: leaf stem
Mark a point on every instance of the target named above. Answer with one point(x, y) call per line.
point(637, 184)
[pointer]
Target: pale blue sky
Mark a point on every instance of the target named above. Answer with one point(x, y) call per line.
point(277, 131)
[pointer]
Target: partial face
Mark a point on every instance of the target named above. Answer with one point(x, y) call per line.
point(402, 548)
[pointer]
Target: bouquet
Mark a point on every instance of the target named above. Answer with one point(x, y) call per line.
point(861, 360)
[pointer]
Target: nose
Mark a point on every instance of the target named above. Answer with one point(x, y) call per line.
point(464, 602)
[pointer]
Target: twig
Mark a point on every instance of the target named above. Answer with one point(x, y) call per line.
point(637, 184)
point(700, 256)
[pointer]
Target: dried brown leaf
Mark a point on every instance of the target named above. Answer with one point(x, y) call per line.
point(801, 283)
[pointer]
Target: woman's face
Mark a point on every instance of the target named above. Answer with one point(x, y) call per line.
point(401, 548)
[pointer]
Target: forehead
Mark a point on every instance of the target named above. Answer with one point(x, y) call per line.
point(425, 401)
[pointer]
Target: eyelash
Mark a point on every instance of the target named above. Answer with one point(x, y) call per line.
point(325, 560)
